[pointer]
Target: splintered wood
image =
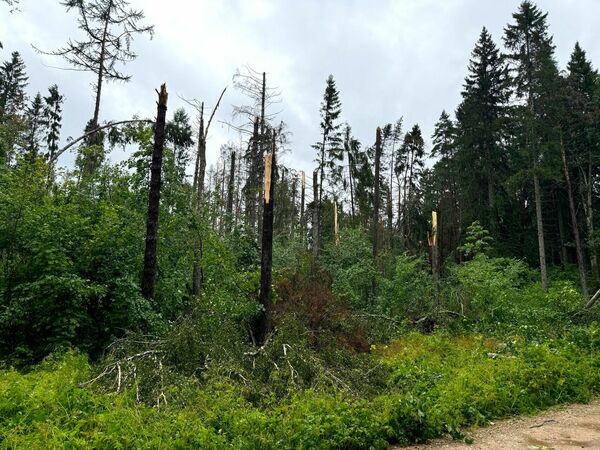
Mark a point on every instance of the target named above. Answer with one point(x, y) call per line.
point(268, 163)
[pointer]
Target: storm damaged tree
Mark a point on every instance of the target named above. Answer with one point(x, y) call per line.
point(263, 323)
point(253, 120)
point(109, 28)
point(150, 258)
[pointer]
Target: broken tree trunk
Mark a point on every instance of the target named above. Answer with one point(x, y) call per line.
point(263, 326)
point(302, 193)
point(315, 214)
point(376, 195)
point(150, 259)
point(229, 212)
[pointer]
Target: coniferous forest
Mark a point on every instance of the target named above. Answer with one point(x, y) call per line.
point(405, 288)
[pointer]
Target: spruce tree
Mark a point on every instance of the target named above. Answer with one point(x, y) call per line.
point(330, 150)
point(581, 137)
point(13, 81)
point(34, 134)
point(531, 54)
point(481, 127)
point(52, 119)
point(179, 134)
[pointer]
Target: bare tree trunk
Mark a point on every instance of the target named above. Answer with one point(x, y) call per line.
point(199, 173)
point(229, 212)
point(150, 258)
point(100, 78)
point(315, 214)
point(561, 233)
point(351, 180)
point(302, 194)
point(574, 223)
point(390, 217)
point(589, 219)
point(540, 228)
point(264, 325)
point(376, 195)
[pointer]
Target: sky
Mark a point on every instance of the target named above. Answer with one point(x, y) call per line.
point(390, 59)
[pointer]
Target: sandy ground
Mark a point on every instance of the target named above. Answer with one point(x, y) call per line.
point(570, 427)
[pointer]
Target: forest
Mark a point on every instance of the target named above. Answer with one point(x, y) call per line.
point(408, 287)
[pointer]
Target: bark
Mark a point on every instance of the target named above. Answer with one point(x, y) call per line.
point(150, 257)
point(589, 219)
point(302, 195)
point(229, 212)
point(561, 232)
point(540, 229)
point(264, 324)
point(101, 70)
point(376, 195)
point(351, 180)
point(315, 214)
point(574, 223)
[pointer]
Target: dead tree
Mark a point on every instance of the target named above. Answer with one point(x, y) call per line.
point(376, 198)
point(150, 259)
point(302, 193)
point(264, 325)
point(230, 188)
point(315, 214)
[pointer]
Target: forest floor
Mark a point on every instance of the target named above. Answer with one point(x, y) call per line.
point(571, 427)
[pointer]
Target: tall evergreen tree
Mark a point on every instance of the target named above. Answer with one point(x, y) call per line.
point(582, 138)
point(13, 81)
point(179, 133)
point(481, 127)
point(329, 149)
point(531, 54)
point(35, 128)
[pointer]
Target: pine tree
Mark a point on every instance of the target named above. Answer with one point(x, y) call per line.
point(531, 54)
point(481, 127)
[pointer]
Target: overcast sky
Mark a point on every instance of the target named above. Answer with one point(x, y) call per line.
point(391, 59)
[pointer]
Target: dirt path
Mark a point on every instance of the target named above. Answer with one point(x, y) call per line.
point(566, 428)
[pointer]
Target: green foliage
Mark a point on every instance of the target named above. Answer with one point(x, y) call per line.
point(438, 384)
point(351, 266)
point(477, 241)
point(410, 293)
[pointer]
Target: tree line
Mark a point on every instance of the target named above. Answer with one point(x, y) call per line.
point(518, 160)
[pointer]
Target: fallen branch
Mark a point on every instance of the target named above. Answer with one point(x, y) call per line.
point(94, 131)
point(110, 368)
point(593, 300)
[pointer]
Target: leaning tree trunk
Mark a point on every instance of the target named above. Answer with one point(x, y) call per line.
point(376, 195)
point(263, 325)
point(574, 223)
point(150, 260)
